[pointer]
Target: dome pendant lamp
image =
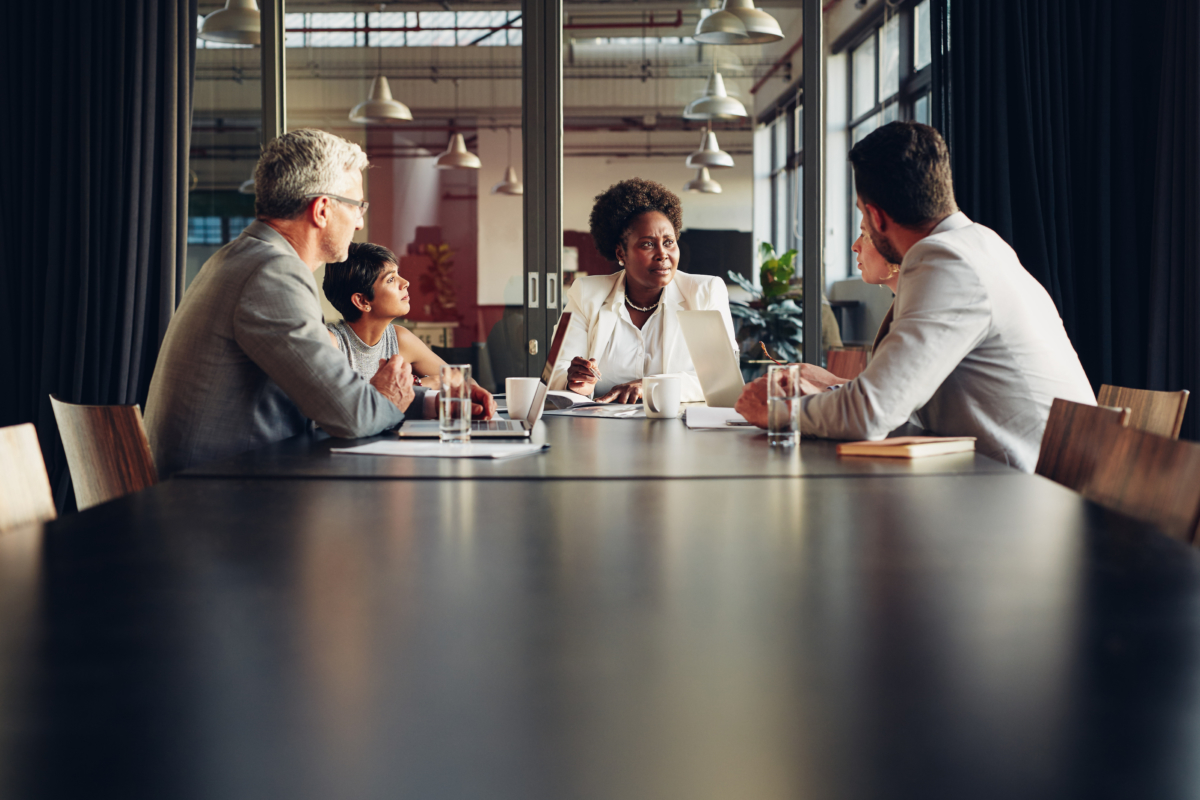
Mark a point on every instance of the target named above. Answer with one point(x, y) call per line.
point(715, 104)
point(237, 23)
point(709, 154)
point(721, 27)
point(457, 156)
point(702, 183)
point(758, 27)
point(380, 107)
point(511, 183)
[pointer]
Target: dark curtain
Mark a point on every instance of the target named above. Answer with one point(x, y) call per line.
point(1174, 347)
point(1072, 125)
point(95, 168)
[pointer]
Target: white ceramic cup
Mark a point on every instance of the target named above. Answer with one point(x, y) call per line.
point(660, 395)
point(518, 396)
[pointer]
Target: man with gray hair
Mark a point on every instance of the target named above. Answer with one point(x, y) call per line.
point(246, 360)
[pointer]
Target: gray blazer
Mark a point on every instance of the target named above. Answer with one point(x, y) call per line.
point(247, 361)
point(973, 346)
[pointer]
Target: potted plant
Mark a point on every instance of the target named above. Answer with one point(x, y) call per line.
point(772, 315)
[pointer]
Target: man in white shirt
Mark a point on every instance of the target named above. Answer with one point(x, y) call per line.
point(975, 345)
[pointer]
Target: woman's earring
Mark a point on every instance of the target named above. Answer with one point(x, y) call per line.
point(894, 269)
point(620, 263)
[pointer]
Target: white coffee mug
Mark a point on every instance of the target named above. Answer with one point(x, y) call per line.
point(660, 395)
point(518, 396)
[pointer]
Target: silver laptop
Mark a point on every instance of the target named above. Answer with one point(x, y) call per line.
point(716, 362)
point(501, 428)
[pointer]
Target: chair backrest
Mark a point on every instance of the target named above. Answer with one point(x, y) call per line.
point(846, 364)
point(107, 451)
point(25, 495)
point(1077, 439)
point(1156, 412)
point(1153, 478)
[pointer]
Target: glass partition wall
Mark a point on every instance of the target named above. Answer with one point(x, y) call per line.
point(460, 233)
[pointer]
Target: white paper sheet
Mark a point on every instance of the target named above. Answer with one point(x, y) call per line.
point(439, 450)
point(705, 418)
point(604, 411)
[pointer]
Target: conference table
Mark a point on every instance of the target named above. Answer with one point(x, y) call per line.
point(576, 624)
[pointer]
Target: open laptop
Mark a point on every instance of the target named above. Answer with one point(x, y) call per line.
point(501, 428)
point(716, 362)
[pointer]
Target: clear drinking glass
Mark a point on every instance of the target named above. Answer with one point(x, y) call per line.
point(454, 403)
point(783, 405)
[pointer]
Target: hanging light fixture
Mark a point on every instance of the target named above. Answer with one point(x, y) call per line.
point(715, 104)
point(380, 107)
point(237, 23)
point(702, 183)
point(457, 156)
point(511, 183)
point(722, 27)
point(709, 154)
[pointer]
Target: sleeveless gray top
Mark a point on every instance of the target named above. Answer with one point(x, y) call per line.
point(363, 357)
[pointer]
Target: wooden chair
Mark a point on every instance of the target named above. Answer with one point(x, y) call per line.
point(1156, 412)
point(107, 451)
point(847, 364)
point(1152, 478)
point(25, 495)
point(1078, 438)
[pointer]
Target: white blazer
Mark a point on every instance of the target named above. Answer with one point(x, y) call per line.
point(595, 299)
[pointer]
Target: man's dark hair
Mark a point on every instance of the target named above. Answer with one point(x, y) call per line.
point(357, 274)
point(903, 168)
point(622, 203)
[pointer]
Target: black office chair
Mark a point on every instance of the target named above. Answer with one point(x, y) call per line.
point(506, 346)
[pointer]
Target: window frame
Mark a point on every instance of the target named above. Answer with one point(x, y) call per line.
point(913, 85)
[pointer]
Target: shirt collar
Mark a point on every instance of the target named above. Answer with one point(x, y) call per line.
point(952, 223)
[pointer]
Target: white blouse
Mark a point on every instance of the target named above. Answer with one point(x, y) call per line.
point(631, 354)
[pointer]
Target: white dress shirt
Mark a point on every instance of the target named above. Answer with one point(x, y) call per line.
point(975, 347)
point(631, 354)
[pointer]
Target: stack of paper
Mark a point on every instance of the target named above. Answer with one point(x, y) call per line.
point(705, 418)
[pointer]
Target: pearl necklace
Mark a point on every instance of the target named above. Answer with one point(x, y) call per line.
point(645, 310)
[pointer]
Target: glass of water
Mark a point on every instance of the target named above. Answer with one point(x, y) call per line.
point(454, 403)
point(783, 405)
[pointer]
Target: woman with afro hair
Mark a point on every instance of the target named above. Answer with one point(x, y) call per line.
point(625, 326)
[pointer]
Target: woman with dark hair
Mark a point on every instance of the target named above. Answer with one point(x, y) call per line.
point(370, 294)
point(625, 326)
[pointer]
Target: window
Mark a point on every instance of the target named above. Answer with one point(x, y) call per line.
point(397, 29)
point(786, 160)
point(890, 74)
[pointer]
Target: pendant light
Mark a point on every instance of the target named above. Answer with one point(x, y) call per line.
point(709, 154)
point(237, 23)
point(715, 104)
point(702, 183)
point(457, 156)
point(722, 27)
point(380, 107)
point(511, 183)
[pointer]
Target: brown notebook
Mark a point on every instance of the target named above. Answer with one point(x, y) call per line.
point(909, 446)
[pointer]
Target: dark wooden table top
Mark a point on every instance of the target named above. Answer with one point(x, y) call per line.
point(967, 636)
point(594, 449)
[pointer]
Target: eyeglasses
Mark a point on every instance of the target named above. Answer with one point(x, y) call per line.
point(362, 204)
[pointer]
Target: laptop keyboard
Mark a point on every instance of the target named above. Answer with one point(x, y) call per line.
point(495, 425)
